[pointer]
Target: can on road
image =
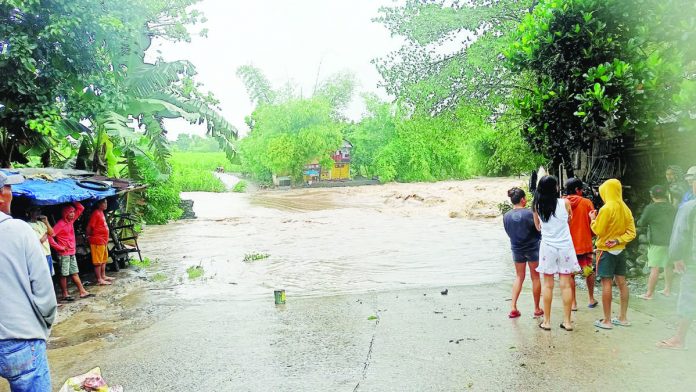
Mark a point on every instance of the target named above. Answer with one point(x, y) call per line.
point(279, 297)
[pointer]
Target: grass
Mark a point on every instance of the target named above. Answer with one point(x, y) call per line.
point(141, 264)
point(195, 271)
point(159, 277)
point(240, 187)
point(193, 171)
point(249, 257)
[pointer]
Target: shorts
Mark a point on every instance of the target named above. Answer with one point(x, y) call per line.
point(686, 306)
point(610, 265)
point(49, 259)
point(100, 254)
point(658, 256)
point(68, 265)
point(557, 261)
point(525, 256)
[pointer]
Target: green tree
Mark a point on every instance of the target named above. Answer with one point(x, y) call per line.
point(598, 69)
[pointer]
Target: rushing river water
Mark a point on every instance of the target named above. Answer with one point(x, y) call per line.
point(320, 243)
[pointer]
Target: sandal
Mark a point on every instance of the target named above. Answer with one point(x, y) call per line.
point(564, 327)
point(544, 328)
point(67, 299)
point(538, 313)
point(87, 296)
point(600, 324)
point(514, 314)
point(618, 322)
point(666, 344)
point(593, 305)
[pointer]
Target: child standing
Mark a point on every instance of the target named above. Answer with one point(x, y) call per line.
point(524, 240)
point(556, 252)
point(658, 218)
point(98, 236)
point(63, 241)
point(39, 223)
point(581, 233)
point(614, 227)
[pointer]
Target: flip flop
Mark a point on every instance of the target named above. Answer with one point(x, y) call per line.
point(593, 305)
point(514, 314)
point(67, 299)
point(618, 322)
point(574, 310)
point(669, 346)
point(538, 313)
point(87, 296)
point(564, 327)
point(645, 297)
point(599, 324)
point(544, 328)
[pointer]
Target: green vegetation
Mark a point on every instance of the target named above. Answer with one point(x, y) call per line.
point(249, 257)
point(159, 277)
point(146, 263)
point(288, 131)
point(79, 113)
point(598, 69)
point(193, 171)
point(195, 272)
point(240, 187)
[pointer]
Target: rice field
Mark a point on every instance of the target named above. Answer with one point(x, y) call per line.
point(193, 171)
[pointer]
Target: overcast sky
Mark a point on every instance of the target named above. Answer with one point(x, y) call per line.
point(288, 40)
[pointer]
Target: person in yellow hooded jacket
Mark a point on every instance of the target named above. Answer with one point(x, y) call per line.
point(615, 228)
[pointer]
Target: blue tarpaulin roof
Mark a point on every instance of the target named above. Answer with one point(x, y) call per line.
point(66, 190)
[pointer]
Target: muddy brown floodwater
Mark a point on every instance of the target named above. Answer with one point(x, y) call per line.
point(363, 268)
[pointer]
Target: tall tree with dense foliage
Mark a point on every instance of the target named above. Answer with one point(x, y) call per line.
point(599, 69)
point(288, 131)
point(452, 52)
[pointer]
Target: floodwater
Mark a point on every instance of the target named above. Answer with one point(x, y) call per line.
point(324, 242)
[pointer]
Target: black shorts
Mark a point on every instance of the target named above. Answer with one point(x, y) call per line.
point(525, 256)
point(610, 265)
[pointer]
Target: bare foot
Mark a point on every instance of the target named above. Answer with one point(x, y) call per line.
point(645, 296)
point(666, 293)
point(104, 283)
point(109, 278)
point(672, 343)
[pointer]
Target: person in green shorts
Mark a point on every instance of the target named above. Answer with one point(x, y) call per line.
point(658, 218)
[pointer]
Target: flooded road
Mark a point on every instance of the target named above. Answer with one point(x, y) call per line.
point(327, 242)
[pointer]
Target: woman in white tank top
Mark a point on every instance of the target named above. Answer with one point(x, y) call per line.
point(556, 251)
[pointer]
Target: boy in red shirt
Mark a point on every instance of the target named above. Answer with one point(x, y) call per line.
point(63, 241)
point(581, 233)
point(98, 237)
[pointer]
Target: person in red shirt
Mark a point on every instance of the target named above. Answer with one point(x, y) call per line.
point(581, 233)
point(63, 241)
point(98, 237)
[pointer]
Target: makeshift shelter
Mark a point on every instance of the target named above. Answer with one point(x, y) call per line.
point(52, 188)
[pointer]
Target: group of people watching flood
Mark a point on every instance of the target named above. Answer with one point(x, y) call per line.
point(29, 305)
point(568, 237)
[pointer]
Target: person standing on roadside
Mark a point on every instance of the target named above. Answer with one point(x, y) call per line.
point(556, 251)
point(581, 233)
point(524, 240)
point(27, 301)
point(98, 236)
point(682, 251)
point(677, 187)
point(63, 241)
point(615, 228)
point(658, 218)
point(43, 230)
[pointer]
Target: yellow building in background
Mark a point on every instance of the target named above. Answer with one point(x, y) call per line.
point(339, 172)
